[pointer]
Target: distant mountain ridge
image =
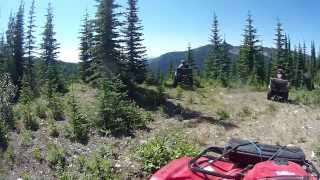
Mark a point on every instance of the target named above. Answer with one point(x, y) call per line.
point(163, 62)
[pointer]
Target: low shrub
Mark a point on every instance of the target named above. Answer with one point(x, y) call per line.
point(56, 156)
point(37, 154)
point(29, 120)
point(53, 129)
point(223, 114)
point(26, 137)
point(117, 114)
point(26, 175)
point(41, 108)
point(10, 153)
point(97, 165)
point(56, 107)
point(162, 149)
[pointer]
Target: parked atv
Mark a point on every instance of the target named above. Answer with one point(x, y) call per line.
point(242, 160)
point(183, 76)
point(279, 87)
point(278, 90)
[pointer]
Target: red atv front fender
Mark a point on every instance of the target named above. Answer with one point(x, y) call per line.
point(179, 170)
point(267, 170)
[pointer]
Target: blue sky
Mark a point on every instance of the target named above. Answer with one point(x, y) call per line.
point(169, 25)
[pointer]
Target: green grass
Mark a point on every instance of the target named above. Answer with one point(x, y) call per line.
point(306, 97)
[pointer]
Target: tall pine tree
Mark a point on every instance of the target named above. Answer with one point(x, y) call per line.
point(290, 60)
point(226, 65)
point(49, 54)
point(300, 67)
point(86, 48)
point(29, 88)
point(213, 61)
point(190, 60)
point(279, 60)
point(18, 40)
point(2, 55)
point(9, 50)
point(135, 51)
point(251, 62)
point(107, 57)
point(313, 60)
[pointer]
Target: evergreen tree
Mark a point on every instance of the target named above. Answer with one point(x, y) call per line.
point(318, 62)
point(300, 67)
point(86, 48)
point(171, 71)
point(29, 87)
point(313, 60)
point(234, 70)
point(135, 51)
point(279, 59)
point(269, 68)
point(159, 77)
point(251, 62)
point(106, 59)
point(9, 50)
point(294, 68)
point(49, 54)
point(191, 62)
point(290, 60)
point(78, 122)
point(213, 61)
point(18, 49)
point(2, 55)
point(305, 58)
point(307, 73)
point(226, 65)
point(259, 67)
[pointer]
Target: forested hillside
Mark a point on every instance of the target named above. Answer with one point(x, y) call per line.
point(163, 62)
point(117, 115)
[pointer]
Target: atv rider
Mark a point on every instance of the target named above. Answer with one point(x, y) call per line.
point(183, 75)
point(279, 86)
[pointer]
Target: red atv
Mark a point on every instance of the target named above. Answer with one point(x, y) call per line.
point(242, 160)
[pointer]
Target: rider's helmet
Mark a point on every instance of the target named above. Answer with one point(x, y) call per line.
point(280, 73)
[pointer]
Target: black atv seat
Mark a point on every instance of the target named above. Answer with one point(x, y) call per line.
point(279, 85)
point(251, 152)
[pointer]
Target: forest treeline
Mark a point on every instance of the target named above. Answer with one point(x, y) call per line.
point(254, 65)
